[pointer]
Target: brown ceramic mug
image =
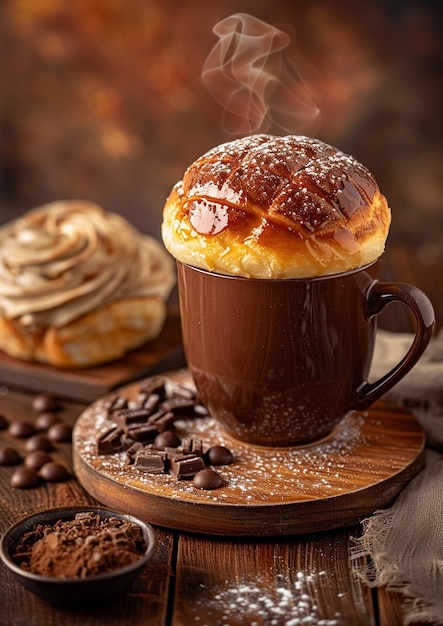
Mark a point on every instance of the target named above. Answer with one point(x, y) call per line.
point(281, 362)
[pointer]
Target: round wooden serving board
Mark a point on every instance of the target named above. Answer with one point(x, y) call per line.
point(360, 467)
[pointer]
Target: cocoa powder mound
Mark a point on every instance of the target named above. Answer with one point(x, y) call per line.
point(85, 546)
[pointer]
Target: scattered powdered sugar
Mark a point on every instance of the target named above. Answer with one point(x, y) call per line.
point(258, 475)
point(251, 602)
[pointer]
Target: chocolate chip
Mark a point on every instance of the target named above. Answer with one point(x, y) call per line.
point(38, 442)
point(167, 439)
point(21, 429)
point(45, 402)
point(218, 455)
point(24, 478)
point(60, 432)
point(46, 419)
point(53, 472)
point(207, 479)
point(9, 456)
point(36, 460)
point(3, 422)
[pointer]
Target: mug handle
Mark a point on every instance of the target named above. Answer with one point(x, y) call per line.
point(378, 296)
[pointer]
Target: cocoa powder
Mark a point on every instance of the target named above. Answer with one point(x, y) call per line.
point(85, 546)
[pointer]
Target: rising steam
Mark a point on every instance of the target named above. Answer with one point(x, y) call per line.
point(257, 79)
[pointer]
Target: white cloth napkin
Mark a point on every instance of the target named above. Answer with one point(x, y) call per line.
point(402, 546)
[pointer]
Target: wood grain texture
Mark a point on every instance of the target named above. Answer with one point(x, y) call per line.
point(146, 602)
point(391, 609)
point(269, 582)
point(359, 468)
point(88, 384)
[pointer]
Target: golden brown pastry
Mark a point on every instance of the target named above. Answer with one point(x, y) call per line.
point(79, 286)
point(276, 207)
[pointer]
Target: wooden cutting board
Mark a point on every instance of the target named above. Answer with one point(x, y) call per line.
point(88, 384)
point(360, 467)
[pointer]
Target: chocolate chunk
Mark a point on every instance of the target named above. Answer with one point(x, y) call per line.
point(125, 417)
point(35, 460)
point(180, 391)
point(24, 478)
point(46, 419)
point(151, 402)
point(45, 402)
point(192, 446)
point(154, 385)
point(21, 429)
point(207, 479)
point(179, 406)
point(150, 461)
point(145, 433)
point(167, 439)
point(132, 451)
point(162, 420)
point(110, 441)
point(186, 465)
point(38, 442)
point(9, 456)
point(60, 432)
point(218, 455)
point(116, 403)
point(3, 422)
point(53, 472)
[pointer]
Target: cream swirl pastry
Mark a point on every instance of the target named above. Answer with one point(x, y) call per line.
point(79, 285)
point(276, 207)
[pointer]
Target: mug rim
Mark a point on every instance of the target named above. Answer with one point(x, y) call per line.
point(240, 278)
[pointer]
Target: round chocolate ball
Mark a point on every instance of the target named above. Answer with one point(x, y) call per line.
point(9, 456)
point(207, 479)
point(46, 419)
point(21, 429)
point(45, 402)
point(53, 472)
point(59, 432)
point(24, 478)
point(218, 455)
point(36, 460)
point(167, 439)
point(38, 442)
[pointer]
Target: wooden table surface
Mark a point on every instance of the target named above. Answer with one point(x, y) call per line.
point(201, 580)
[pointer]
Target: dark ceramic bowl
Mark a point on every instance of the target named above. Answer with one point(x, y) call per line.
point(74, 590)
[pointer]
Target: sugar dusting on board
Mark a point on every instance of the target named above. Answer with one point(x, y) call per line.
point(267, 475)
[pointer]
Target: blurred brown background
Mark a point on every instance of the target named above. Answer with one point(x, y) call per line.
point(103, 99)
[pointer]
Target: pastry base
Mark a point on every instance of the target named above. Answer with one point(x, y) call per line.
point(360, 467)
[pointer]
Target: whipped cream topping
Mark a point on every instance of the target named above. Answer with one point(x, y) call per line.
point(65, 259)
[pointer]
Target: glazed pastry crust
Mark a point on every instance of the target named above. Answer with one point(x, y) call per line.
point(276, 207)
